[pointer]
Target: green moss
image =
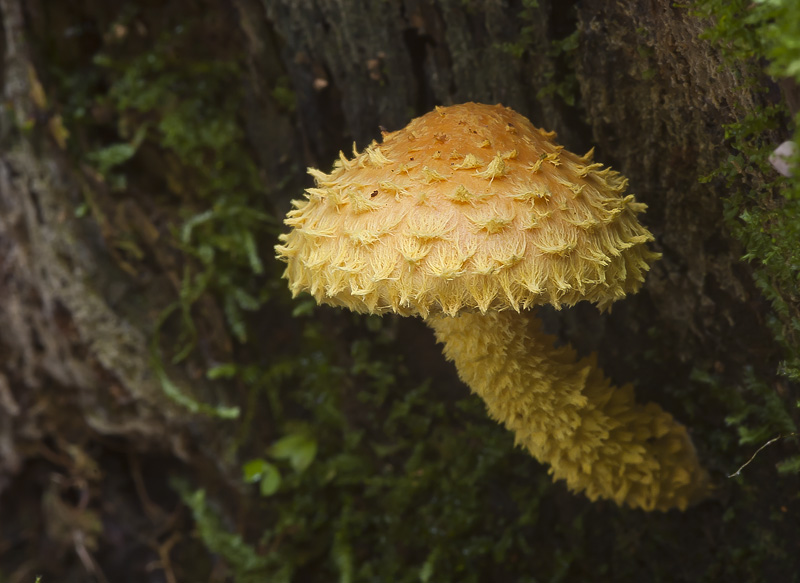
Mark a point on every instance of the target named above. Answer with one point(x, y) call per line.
point(283, 94)
point(558, 80)
point(386, 448)
point(166, 119)
point(763, 208)
point(765, 214)
point(756, 411)
point(189, 109)
point(562, 80)
point(529, 14)
point(245, 562)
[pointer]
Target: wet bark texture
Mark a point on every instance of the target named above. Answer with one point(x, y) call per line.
point(76, 326)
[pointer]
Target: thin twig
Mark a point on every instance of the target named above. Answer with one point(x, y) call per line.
point(164, 563)
point(153, 511)
point(86, 558)
point(770, 442)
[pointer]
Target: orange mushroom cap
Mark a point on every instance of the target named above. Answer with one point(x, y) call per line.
point(468, 207)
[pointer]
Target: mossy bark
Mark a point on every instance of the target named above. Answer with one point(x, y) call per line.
point(78, 391)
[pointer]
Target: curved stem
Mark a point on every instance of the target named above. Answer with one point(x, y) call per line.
point(568, 415)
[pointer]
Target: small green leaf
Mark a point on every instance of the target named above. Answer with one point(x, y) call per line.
point(196, 220)
point(342, 553)
point(299, 448)
point(252, 253)
point(260, 470)
point(245, 300)
point(254, 469)
point(271, 480)
point(304, 308)
point(222, 371)
point(790, 465)
point(426, 572)
point(177, 395)
point(111, 156)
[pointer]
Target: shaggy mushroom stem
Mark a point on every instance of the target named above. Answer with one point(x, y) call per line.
point(568, 415)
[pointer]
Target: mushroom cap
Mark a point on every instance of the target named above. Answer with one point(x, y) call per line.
point(468, 207)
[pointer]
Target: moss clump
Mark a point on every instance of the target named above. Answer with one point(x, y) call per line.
point(160, 124)
point(763, 208)
point(187, 110)
point(765, 214)
point(386, 446)
point(558, 79)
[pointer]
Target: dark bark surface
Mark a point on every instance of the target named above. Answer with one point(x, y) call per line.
point(90, 436)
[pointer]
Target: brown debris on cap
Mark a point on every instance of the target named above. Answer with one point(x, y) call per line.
point(468, 207)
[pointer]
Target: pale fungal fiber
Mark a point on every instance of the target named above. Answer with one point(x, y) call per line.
point(469, 212)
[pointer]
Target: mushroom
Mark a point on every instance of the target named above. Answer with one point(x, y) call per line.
point(469, 217)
